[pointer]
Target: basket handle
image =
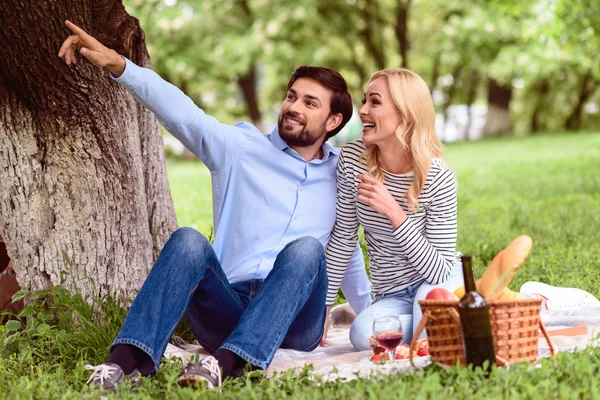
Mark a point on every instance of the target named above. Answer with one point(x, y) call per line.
point(426, 316)
point(547, 337)
point(413, 343)
point(454, 314)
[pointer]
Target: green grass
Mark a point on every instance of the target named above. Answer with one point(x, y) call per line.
point(547, 187)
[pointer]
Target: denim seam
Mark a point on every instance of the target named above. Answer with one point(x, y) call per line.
point(312, 346)
point(321, 266)
point(170, 334)
point(261, 364)
point(226, 286)
point(272, 354)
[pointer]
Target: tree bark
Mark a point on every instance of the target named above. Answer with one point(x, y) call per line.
point(541, 90)
point(84, 197)
point(247, 84)
point(370, 34)
point(498, 114)
point(471, 97)
point(435, 71)
point(587, 88)
point(401, 29)
point(247, 81)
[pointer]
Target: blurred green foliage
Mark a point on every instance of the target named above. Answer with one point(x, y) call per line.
point(234, 57)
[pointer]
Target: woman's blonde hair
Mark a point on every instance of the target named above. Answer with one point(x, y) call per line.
point(416, 132)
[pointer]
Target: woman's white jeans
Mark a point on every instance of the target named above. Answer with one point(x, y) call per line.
point(404, 304)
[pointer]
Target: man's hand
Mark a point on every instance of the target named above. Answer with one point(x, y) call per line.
point(90, 48)
point(324, 338)
point(373, 192)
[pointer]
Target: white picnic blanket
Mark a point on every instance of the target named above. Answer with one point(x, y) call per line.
point(340, 360)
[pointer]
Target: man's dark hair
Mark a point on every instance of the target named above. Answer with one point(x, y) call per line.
point(341, 101)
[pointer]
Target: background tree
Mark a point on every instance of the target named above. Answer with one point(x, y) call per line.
point(84, 199)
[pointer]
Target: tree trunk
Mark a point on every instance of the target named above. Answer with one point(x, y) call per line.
point(498, 114)
point(450, 93)
point(401, 29)
point(84, 198)
point(586, 90)
point(247, 84)
point(247, 81)
point(370, 34)
point(435, 71)
point(541, 90)
point(471, 97)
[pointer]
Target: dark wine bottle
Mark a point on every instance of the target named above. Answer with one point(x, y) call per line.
point(475, 321)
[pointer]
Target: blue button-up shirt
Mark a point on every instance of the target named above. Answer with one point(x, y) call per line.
point(264, 194)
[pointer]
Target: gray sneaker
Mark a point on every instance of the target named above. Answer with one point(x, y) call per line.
point(206, 370)
point(106, 377)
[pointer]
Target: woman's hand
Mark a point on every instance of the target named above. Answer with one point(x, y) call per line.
point(373, 193)
point(327, 321)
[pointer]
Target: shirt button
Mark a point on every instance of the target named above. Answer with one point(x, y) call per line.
point(301, 189)
point(295, 217)
point(266, 261)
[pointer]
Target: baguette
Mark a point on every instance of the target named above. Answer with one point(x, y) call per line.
point(512, 260)
point(494, 282)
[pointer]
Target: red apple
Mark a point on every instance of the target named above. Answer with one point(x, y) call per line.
point(423, 352)
point(440, 294)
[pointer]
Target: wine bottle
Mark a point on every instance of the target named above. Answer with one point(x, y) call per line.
point(475, 321)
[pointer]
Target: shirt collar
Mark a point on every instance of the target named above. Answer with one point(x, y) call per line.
point(279, 143)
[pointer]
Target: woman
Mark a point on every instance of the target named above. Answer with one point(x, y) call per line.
point(394, 183)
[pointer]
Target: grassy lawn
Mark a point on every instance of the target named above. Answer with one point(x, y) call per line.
point(547, 187)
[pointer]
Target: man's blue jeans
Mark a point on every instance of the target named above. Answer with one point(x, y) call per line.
point(252, 319)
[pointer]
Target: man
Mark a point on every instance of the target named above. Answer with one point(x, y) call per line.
point(262, 284)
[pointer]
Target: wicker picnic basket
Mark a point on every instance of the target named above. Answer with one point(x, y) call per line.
point(515, 325)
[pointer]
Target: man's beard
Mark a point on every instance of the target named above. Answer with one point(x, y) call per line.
point(306, 137)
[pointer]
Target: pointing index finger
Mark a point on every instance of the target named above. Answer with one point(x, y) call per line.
point(76, 30)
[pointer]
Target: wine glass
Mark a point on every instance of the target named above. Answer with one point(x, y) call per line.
point(388, 333)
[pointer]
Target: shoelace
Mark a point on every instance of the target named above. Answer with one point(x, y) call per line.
point(209, 363)
point(102, 372)
point(212, 365)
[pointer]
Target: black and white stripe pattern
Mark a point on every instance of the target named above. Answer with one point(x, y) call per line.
point(423, 247)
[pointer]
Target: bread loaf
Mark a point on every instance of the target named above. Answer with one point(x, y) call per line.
point(494, 282)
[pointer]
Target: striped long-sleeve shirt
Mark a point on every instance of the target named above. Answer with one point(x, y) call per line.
point(421, 248)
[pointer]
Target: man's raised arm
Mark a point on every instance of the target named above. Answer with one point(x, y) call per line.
point(216, 144)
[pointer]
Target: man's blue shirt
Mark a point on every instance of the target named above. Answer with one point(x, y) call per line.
point(264, 194)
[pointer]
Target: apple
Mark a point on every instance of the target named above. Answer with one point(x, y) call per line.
point(423, 352)
point(440, 294)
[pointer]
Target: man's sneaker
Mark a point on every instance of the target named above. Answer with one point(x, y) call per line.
point(206, 370)
point(106, 377)
point(559, 298)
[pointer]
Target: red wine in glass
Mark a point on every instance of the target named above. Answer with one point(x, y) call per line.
point(389, 340)
point(388, 333)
